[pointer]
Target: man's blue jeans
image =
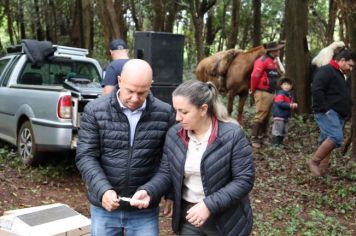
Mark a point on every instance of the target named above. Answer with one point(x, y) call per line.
point(331, 126)
point(135, 223)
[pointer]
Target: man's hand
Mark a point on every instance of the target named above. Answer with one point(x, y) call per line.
point(110, 200)
point(198, 214)
point(168, 208)
point(144, 198)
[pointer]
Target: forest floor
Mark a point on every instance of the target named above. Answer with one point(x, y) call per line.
point(286, 199)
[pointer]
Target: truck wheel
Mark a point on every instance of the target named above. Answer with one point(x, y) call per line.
point(26, 145)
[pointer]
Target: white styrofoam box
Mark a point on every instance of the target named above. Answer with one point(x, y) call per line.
point(54, 219)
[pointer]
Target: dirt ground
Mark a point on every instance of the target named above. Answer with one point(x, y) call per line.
point(282, 181)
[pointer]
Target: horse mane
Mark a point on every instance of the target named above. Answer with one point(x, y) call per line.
point(258, 48)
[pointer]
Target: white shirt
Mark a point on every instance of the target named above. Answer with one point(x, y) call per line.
point(132, 116)
point(193, 187)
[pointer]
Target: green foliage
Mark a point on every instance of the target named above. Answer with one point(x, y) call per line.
point(55, 168)
point(287, 200)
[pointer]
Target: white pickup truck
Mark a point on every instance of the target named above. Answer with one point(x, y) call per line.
point(42, 95)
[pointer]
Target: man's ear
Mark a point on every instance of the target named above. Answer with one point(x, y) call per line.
point(119, 79)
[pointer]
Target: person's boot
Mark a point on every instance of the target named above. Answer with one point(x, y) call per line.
point(321, 153)
point(275, 140)
point(255, 142)
point(324, 165)
point(263, 129)
point(280, 140)
point(262, 133)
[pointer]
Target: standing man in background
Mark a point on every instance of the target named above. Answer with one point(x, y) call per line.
point(120, 55)
point(332, 104)
point(264, 79)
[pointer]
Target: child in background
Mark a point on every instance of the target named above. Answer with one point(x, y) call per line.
point(281, 110)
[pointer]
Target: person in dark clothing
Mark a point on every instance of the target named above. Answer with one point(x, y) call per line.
point(119, 148)
point(332, 103)
point(264, 79)
point(208, 162)
point(282, 106)
point(120, 55)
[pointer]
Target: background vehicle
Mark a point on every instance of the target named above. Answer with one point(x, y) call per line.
point(42, 98)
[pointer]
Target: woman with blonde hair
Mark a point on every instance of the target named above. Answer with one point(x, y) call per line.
point(207, 162)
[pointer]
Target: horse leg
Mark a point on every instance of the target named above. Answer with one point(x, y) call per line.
point(242, 102)
point(230, 100)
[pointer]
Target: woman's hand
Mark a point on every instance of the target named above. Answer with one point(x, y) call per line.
point(198, 214)
point(143, 197)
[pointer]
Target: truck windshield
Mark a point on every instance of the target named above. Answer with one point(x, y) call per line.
point(57, 71)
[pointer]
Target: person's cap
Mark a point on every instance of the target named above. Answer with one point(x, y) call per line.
point(285, 80)
point(274, 46)
point(118, 44)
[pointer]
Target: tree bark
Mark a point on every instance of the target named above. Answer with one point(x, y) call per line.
point(173, 7)
point(297, 53)
point(158, 15)
point(37, 19)
point(233, 33)
point(256, 38)
point(76, 29)
point(21, 20)
point(138, 25)
point(120, 9)
point(87, 24)
point(8, 13)
point(348, 8)
point(329, 34)
point(198, 9)
point(109, 21)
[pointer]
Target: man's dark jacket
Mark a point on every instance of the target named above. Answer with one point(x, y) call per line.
point(227, 172)
point(330, 90)
point(104, 156)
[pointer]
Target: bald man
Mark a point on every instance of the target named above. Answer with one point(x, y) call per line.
point(119, 149)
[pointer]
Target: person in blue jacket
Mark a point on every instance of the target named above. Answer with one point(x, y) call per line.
point(120, 55)
point(282, 106)
point(207, 162)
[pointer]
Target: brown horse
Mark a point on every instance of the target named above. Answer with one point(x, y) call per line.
point(238, 78)
point(214, 67)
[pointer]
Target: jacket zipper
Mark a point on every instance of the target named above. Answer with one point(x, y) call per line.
point(128, 168)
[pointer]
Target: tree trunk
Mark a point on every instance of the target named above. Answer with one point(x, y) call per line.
point(198, 10)
point(104, 23)
point(297, 53)
point(350, 11)
point(173, 8)
point(8, 13)
point(210, 32)
point(37, 19)
point(233, 33)
point(120, 9)
point(113, 19)
point(21, 21)
point(76, 30)
point(329, 34)
point(109, 20)
point(87, 25)
point(256, 38)
point(158, 15)
point(138, 25)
